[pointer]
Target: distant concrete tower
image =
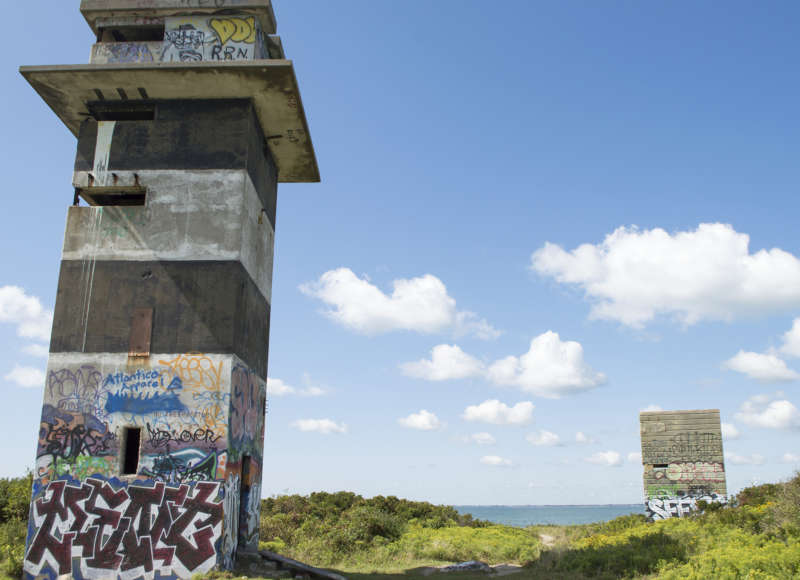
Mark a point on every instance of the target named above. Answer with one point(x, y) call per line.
point(683, 461)
point(150, 451)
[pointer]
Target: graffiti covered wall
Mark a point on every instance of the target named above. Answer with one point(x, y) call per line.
point(683, 461)
point(192, 39)
point(178, 514)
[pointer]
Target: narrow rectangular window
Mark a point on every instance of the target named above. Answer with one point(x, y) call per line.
point(245, 471)
point(130, 459)
point(106, 196)
point(660, 466)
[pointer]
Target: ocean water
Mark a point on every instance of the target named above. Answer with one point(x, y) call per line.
point(527, 515)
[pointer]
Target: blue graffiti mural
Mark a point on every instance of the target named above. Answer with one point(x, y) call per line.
point(131, 400)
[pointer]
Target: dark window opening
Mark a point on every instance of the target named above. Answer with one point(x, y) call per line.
point(105, 196)
point(245, 471)
point(131, 34)
point(130, 459)
point(122, 111)
point(661, 466)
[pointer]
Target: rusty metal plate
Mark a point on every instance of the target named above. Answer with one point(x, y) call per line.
point(141, 332)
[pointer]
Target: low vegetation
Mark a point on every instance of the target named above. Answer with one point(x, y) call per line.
point(15, 499)
point(346, 531)
point(386, 536)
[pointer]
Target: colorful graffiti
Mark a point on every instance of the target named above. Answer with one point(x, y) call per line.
point(221, 38)
point(182, 466)
point(128, 532)
point(661, 509)
point(77, 390)
point(230, 538)
point(247, 405)
point(697, 471)
point(69, 440)
point(202, 424)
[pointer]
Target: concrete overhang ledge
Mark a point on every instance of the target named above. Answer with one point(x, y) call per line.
point(93, 10)
point(271, 84)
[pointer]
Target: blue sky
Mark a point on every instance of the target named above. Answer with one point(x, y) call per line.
point(520, 201)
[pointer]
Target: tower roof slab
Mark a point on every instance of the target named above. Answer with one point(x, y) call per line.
point(93, 10)
point(271, 84)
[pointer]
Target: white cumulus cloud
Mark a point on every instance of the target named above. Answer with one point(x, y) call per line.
point(495, 461)
point(634, 457)
point(323, 426)
point(730, 432)
point(418, 304)
point(26, 312)
point(652, 408)
point(763, 367)
point(583, 439)
point(28, 377)
point(769, 412)
point(634, 275)
point(497, 413)
point(551, 368)
point(447, 362)
point(607, 458)
point(543, 439)
point(754, 459)
point(422, 421)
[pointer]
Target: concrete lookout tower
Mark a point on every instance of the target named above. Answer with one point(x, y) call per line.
point(149, 459)
point(683, 461)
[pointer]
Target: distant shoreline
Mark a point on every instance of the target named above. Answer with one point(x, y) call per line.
point(531, 515)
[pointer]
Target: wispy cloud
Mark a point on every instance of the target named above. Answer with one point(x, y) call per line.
point(322, 426)
point(496, 461)
point(543, 438)
point(754, 459)
point(607, 458)
point(27, 377)
point(278, 388)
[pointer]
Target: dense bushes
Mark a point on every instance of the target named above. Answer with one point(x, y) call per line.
point(15, 499)
point(758, 539)
point(348, 530)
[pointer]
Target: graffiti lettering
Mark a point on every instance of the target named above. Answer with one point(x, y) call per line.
point(661, 509)
point(698, 471)
point(98, 523)
point(67, 435)
point(234, 29)
point(162, 437)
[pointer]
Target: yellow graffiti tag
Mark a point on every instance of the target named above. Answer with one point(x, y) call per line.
point(235, 29)
point(196, 371)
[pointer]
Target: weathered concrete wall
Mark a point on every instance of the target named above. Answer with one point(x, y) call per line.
point(683, 461)
point(179, 515)
point(198, 256)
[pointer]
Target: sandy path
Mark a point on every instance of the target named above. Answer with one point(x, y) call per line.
point(548, 540)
